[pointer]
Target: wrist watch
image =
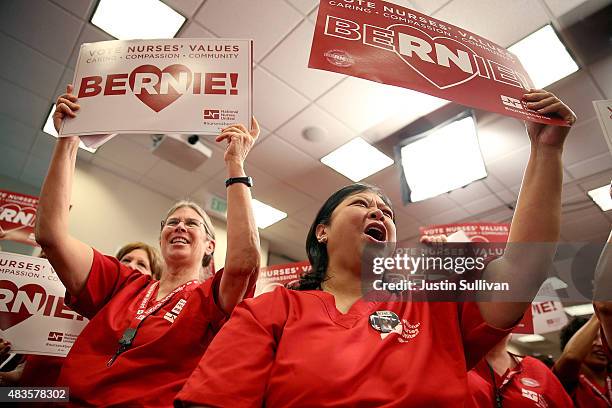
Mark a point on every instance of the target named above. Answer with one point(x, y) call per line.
point(248, 181)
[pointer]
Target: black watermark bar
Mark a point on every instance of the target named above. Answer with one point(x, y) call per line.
point(34, 394)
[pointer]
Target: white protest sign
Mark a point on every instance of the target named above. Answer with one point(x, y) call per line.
point(604, 115)
point(181, 85)
point(547, 310)
point(33, 316)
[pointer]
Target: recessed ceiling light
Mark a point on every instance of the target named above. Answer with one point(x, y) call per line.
point(357, 160)
point(142, 19)
point(601, 196)
point(544, 57)
point(456, 146)
point(580, 310)
point(530, 338)
point(266, 215)
point(50, 130)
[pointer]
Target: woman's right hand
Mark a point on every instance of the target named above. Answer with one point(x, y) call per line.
point(5, 347)
point(65, 106)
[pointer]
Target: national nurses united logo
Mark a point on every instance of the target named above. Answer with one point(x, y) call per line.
point(339, 58)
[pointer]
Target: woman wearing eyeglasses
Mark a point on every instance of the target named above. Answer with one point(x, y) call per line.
point(145, 336)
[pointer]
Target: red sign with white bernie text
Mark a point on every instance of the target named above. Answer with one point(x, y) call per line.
point(17, 217)
point(383, 42)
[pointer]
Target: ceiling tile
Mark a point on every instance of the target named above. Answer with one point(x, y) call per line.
point(43, 146)
point(591, 166)
point(216, 185)
point(29, 68)
point(389, 181)
point(292, 230)
point(305, 6)
point(470, 193)
point(560, 7)
point(26, 107)
point(307, 214)
point(35, 171)
point(405, 225)
point(454, 215)
point(493, 183)
point(336, 134)
point(273, 101)
point(128, 154)
point(80, 8)
point(185, 7)
point(509, 169)
point(461, 13)
point(194, 30)
point(171, 180)
point(572, 193)
point(281, 245)
point(40, 29)
point(423, 210)
point(482, 205)
point(595, 181)
point(578, 92)
point(603, 75)
point(283, 197)
point(275, 156)
point(289, 61)
point(265, 25)
point(501, 136)
point(584, 141)
point(118, 170)
point(214, 164)
point(16, 134)
point(89, 34)
point(67, 78)
point(326, 180)
point(503, 215)
point(12, 162)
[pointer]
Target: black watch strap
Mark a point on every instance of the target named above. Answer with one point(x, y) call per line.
point(244, 180)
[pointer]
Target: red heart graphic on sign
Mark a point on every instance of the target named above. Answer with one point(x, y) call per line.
point(27, 300)
point(438, 75)
point(150, 78)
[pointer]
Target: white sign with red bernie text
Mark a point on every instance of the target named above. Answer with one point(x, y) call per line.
point(180, 86)
point(33, 316)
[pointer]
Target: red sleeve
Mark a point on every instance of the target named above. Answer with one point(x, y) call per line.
point(235, 369)
point(106, 277)
point(478, 336)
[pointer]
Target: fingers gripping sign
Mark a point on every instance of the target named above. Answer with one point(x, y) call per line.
point(545, 102)
point(239, 140)
point(65, 106)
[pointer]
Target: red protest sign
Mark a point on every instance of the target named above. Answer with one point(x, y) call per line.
point(470, 231)
point(280, 275)
point(386, 43)
point(17, 217)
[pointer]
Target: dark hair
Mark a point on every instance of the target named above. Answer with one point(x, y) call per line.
point(317, 251)
point(568, 331)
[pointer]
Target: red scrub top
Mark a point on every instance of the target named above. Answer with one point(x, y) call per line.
point(295, 349)
point(40, 371)
point(166, 349)
point(529, 384)
point(589, 394)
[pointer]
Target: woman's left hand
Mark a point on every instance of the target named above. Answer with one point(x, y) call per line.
point(545, 102)
point(239, 141)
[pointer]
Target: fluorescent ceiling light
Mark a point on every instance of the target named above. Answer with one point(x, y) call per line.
point(445, 159)
point(580, 310)
point(266, 215)
point(544, 57)
point(357, 160)
point(50, 130)
point(142, 19)
point(530, 338)
point(601, 196)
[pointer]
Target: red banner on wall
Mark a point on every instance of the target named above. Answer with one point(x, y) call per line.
point(17, 217)
point(280, 275)
point(387, 43)
point(470, 231)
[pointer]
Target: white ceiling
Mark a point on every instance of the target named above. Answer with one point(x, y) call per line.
point(40, 41)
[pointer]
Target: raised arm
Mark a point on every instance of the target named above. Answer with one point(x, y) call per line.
point(536, 223)
point(70, 258)
point(242, 257)
point(567, 367)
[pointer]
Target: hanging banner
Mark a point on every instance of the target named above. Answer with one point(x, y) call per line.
point(280, 275)
point(17, 217)
point(33, 315)
point(469, 231)
point(390, 44)
point(181, 86)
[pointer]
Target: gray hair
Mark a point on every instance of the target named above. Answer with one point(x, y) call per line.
point(208, 227)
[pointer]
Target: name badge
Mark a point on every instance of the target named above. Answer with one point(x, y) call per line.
point(384, 321)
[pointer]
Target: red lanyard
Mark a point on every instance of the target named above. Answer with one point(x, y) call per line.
point(596, 390)
point(142, 313)
point(497, 392)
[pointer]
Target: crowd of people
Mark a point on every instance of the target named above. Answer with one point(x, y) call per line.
point(160, 331)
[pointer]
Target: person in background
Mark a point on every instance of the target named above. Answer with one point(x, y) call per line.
point(602, 301)
point(503, 379)
point(145, 336)
point(582, 367)
point(142, 257)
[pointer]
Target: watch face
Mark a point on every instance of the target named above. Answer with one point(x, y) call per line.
point(384, 321)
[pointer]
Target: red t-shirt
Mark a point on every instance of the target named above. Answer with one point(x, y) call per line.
point(589, 394)
point(294, 348)
point(530, 384)
point(163, 353)
point(40, 371)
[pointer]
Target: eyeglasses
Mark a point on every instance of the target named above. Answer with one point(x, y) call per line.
point(189, 223)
